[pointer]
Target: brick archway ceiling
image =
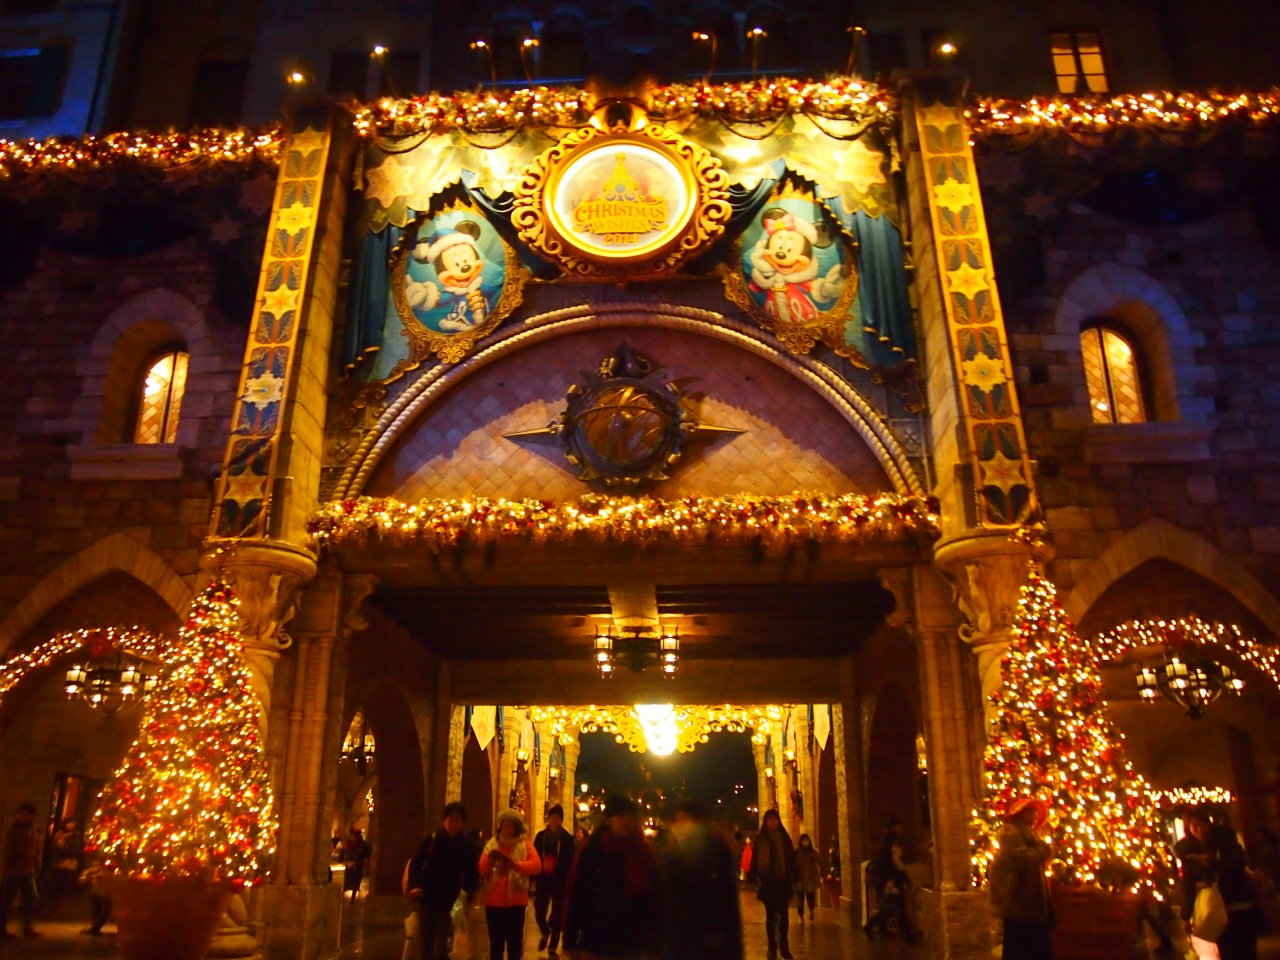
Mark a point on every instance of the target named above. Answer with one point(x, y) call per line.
point(431, 385)
point(716, 620)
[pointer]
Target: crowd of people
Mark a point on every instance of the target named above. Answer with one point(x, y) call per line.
point(611, 893)
point(1212, 868)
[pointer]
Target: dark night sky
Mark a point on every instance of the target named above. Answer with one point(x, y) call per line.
point(709, 773)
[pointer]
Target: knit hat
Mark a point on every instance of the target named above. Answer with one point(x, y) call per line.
point(514, 817)
point(1042, 811)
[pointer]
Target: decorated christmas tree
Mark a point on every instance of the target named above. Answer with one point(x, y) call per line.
point(1053, 740)
point(192, 796)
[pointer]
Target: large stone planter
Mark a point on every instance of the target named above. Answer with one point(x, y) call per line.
point(1093, 924)
point(171, 919)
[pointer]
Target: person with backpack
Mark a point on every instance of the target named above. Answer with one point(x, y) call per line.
point(443, 867)
point(555, 846)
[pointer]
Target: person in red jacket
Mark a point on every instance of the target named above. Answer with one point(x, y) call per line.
point(508, 861)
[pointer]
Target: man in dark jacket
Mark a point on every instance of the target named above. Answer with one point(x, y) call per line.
point(611, 902)
point(444, 866)
point(701, 917)
point(555, 849)
point(19, 877)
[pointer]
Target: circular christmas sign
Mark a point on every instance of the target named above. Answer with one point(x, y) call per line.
point(634, 204)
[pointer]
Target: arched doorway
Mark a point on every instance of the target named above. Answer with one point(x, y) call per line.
point(57, 752)
point(893, 790)
point(477, 787)
point(398, 822)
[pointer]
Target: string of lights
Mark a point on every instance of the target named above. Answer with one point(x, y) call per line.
point(1174, 634)
point(743, 518)
point(1191, 797)
point(1164, 112)
point(160, 150)
point(192, 797)
point(1053, 740)
point(99, 641)
point(753, 102)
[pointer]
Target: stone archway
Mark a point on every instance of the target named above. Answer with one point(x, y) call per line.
point(893, 790)
point(399, 793)
point(117, 552)
point(1157, 538)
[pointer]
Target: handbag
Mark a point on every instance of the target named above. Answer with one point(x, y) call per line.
point(1209, 918)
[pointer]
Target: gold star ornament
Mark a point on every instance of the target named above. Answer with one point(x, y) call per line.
point(263, 389)
point(985, 373)
point(279, 301)
point(294, 217)
point(1002, 472)
point(953, 195)
point(244, 487)
point(388, 182)
point(859, 166)
point(967, 280)
point(939, 115)
point(308, 141)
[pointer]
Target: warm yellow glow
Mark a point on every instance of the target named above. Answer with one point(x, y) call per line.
point(661, 732)
point(693, 724)
point(161, 401)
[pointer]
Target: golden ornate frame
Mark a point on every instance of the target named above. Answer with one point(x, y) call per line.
point(450, 348)
point(695, 724)
point(830, 325)
point(705, 180)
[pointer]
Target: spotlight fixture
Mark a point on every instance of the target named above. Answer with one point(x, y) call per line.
point(637, 652)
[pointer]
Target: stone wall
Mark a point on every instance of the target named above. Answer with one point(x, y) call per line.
point(1221, 481)
point(58, 329)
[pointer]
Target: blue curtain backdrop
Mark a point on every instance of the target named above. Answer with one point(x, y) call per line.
point(367, 297)
point(882, 285)
point(883, 302)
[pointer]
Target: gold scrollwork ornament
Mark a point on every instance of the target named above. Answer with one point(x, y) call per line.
point(651, 249)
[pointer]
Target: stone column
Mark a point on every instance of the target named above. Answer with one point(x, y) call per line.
point(988, 571)
point(570, 777)
point(266, 576)
point(764, 792)
point(846, 727)
point(301, 906)
point(806, 775)
point(511, 724)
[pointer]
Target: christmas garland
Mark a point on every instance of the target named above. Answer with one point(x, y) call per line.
point(744, 518)
point(754, 102)
point(1169, 114)
point(159, 150)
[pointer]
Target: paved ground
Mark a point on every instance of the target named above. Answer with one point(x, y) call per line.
point(824, 939)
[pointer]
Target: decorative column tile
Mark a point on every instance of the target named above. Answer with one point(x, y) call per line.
point(975, 324)
point(248, 472)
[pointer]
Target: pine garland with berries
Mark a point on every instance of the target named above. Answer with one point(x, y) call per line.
point(192, 797)
point(1054, 740)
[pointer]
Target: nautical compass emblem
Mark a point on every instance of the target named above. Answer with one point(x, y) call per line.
point(625, 422)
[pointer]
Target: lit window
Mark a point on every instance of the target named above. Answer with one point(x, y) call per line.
point(162, 399)
point(1111, 370)
point(1078, 61)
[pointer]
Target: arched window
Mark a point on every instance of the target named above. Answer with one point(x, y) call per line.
point(1112, 371)
point(161, 399)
